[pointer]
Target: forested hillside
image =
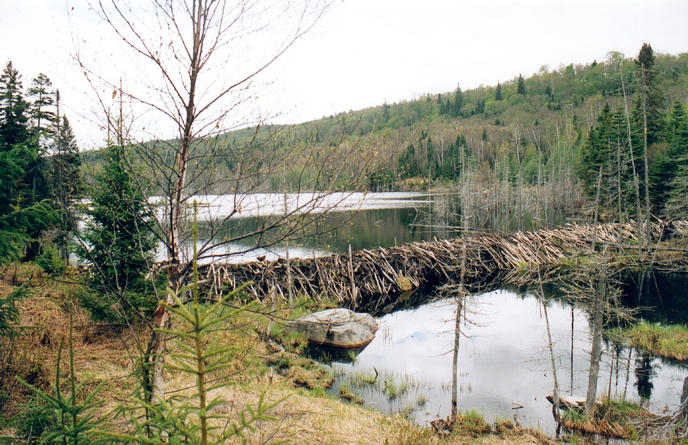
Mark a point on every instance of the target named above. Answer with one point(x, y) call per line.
point(531, 146)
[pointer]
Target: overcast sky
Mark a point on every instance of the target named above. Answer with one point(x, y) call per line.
point(365, 52)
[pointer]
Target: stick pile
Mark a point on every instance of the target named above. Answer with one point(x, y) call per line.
point(371, 280)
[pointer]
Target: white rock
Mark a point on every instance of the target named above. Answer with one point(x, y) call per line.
point(340, 328)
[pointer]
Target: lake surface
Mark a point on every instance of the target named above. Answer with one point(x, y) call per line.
point(359, 220)
point(504, 367)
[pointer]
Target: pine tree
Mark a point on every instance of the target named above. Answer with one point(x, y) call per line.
point(650, 100)
point(66, 181)
point(13, 107)
point(42, 116)
point(25, 209)
point(670, 174)
point(118, 233)
point(385, 112)
point(648, 118)
point(66, 175)
point(408, 164)
point(677, 203)
point(14, 130)
point(498, 92)
point(458, 102)
point(596, 151)
point(21, 218)
point(521, 86)
point(677, 130)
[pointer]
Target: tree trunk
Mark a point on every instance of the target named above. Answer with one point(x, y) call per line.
point(455, 356)
point(600, 296)
point(161, 318)
point(684, 401)
point(596, 352)
point(643, 97)
point(636, 184)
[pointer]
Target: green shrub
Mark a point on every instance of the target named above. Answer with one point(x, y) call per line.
point(105, 307)
point(51, 261)
point(100, 306)
point(34, 419)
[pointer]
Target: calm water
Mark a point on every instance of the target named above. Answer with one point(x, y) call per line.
point(360, 220)
point(504, 364)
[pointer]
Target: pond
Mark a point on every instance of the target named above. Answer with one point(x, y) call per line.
point(337, 220)
point(359, 220)
point(504, 367)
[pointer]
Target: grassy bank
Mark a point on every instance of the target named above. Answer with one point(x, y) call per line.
point(667, 341)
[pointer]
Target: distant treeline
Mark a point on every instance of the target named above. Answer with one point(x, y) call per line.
point(551, 130)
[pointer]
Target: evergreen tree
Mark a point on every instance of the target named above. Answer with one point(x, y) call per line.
point(650, 100)
point(677, 203)
point(498, 92)
point(596, 151)
point(521, 86)
point(14, 130)
point(548, 92)
point(408, 165)
point(13, 107)
point(458, 102)
point(385, 112)
point(118, 232)
point(451, 162)
point(677, 130)
point(606, 148)
point(42, 116)
point(66, 181)
point(26, 196)
point(669, 165)
point(21, 218)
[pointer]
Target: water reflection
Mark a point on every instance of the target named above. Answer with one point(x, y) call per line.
point(505, 366)
point(644, 371)
point(661, 297)
point(404, 222)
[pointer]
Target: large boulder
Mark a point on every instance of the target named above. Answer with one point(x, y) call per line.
point(339, 328)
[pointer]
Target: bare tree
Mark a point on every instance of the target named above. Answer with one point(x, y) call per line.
point(198, 67)
point(636, 184)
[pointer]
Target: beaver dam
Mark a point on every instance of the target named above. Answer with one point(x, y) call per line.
point(375, 280)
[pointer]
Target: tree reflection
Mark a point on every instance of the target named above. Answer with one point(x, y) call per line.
point(644, 371)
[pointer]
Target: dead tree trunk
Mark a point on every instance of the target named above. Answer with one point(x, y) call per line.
point(632, 155)
point(643, 101)
point(600, 295)
point(596, 352)
point(684, 402)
